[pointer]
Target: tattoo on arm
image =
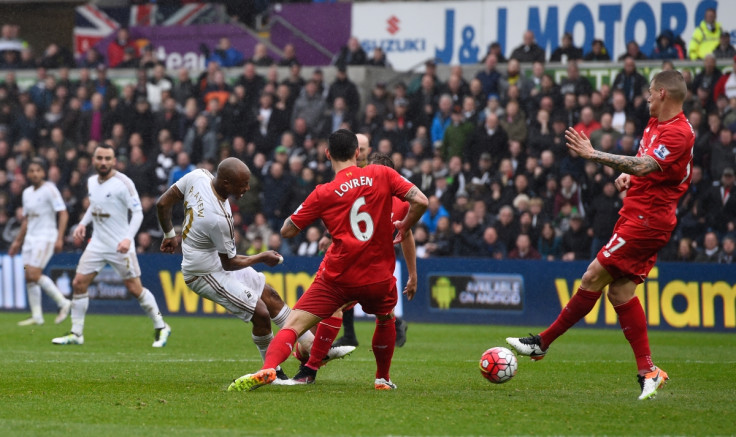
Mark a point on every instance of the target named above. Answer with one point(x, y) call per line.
point(634, 165)
point(411, 194)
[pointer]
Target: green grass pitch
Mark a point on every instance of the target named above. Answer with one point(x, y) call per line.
point(117, 385)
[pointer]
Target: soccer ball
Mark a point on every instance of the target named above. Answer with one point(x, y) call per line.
point(498, 365)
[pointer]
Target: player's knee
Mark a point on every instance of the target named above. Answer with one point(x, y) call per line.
point(261, 319)
point(384, 317)
point(32, 275)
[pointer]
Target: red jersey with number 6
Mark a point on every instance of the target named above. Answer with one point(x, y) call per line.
point(356, 209)
point(651, 200)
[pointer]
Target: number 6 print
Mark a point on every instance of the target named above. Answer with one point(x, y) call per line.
point(357, 217)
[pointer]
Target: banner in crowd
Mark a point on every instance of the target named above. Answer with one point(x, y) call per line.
point(92, 23)
point(450, 290)
point(460, 32)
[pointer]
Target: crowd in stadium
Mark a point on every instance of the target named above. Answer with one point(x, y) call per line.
point(488, 151)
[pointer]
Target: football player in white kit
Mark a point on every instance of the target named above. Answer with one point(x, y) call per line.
point(210, 264)
point(111, 195)
point(41, 234)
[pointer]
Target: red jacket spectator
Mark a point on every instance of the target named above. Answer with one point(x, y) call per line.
point(116, 49)
point(726, 84)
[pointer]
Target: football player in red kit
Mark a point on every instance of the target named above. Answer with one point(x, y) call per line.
point(358, 267)
point(654, 181)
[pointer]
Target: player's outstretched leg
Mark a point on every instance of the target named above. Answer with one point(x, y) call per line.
point(64, 304)
point(34, 302)
point(529, 346)
point(252, 381)
point(535, 346)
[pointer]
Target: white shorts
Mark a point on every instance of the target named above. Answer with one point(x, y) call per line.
point(37, 253)
point(238, 290)
point(126, 264)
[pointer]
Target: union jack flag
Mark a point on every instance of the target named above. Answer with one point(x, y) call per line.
point(92, 24)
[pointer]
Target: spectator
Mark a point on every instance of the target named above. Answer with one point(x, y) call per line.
point(574, 83)
point(724, 50)
point(550, 244)
point(633, 50)
point(289, 56)
point(379, 58)
point(667, 48)
point(587, 124)
point(456, 136)
point(598, 52)
point(496, 50)
point(311, 107)
point(529, 50)
point(200, 142)
point(523, 249)
point(492, 246)
point(705, 37)
point(596, 137)
point(489, 76)
point(351, 54)
point(514, 122)
point(575, 241)
point(513, 77)
point(468, 238)
point(630, 81)
point(260, 56)
point(310, 246)
point(56, 56)
point(226, 55)
point(566, 51)
point(726, 255)
point(718, 204)
point(183, 166)
point(507, 227)
point(726, 85)
point(434, 212)
point(116, 48)
point(711, 251)
point(603, 213)
point(277, 183)
point(441, 120)
point(345, 88)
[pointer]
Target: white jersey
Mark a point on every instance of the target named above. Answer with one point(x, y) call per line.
point(109, 202)
point(208, 225)
point(40, 207)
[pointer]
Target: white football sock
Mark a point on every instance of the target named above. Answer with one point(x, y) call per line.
point(34, 300)
point(80, 303)
point(52, 290)
point(262, 343)
point(149, 305)
point(281, 317)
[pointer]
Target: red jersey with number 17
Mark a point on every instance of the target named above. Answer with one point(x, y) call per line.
point(651, 200)
point(356, 209)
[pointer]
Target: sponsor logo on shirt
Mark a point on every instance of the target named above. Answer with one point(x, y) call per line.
point(661, 152)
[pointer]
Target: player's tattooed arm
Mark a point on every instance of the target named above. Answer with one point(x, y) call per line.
point(412, 194)
point(289, 229)
point(633, 165)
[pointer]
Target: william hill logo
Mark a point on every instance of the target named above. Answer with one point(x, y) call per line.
point(393, 25)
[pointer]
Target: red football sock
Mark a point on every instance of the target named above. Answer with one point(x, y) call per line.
point(384, 341)
point(327, 331)
point(280, 348)
point(580, 304)
point(633, 322)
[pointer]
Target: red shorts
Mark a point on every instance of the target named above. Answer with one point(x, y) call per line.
point(632, 250)
point(323, 298)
